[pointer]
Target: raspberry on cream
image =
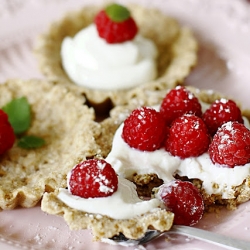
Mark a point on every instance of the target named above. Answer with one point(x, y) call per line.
point(92, 62)
point(122, 204)
point(184, 200)
point(221, 163)
point(92, 178)
point(115, 24)
point(216, 179)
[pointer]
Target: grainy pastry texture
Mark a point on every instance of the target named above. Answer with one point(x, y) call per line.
point(176, 45)
point(106, 227)
point(145, 183)
point(66, 125)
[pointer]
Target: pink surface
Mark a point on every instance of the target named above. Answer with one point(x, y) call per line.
point(223, 30)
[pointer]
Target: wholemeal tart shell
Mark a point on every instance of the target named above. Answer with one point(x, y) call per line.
point(176, 45)
point(104, 227)
point(69, 131)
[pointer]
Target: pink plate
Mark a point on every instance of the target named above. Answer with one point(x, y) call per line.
point(223, 30)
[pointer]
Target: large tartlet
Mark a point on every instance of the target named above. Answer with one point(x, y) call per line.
point(146, 183)
point(106, 227)
point(69, 131)
point(176, 45)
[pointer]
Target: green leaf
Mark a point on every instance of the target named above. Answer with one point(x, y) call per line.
point(117, 12)
point(30, 142)
point(19, 114)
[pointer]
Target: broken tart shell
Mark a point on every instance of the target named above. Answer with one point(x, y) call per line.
point(105, 227)
point(66, 125)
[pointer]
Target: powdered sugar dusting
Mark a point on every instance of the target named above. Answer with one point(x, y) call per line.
point(101, 165)
point(190, 95)
point(228, 126)
point(223, 100)
point(196, 125)
point(225, 138)
point(104, 184)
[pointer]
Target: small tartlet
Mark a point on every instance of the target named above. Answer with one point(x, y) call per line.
point(177, 48)
point(69, 131)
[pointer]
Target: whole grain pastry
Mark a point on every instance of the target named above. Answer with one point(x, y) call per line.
point(105, 227)
point(68, 129)
point(176, 45)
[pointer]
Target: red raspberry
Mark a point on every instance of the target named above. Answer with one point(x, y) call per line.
point(221, 111)
point(7, 136)
point(115, 24)
point(93, 178)
point(179, 101)
point(144, 129)
point(188, 136)
point(184, 200)
point(231, 145)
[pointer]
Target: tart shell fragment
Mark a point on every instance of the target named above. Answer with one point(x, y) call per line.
point(69, 130)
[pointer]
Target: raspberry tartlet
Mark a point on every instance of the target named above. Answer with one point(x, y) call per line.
point(57, 117)
point(183, 192)
point(176, 47)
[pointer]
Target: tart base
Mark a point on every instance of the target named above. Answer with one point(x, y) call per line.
point(104, 226)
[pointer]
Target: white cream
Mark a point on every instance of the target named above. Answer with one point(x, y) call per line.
point(92, 62)
point(122, 204)
point(126, 161)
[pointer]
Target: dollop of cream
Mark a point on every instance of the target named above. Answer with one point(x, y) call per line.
point(216, 179)
point(122, 204)
point(92, 62)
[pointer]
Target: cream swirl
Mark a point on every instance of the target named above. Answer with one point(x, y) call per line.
point(91, 62)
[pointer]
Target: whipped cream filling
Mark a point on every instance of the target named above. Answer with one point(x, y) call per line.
point(216, 179)
point(122, 204)
point(91, 62)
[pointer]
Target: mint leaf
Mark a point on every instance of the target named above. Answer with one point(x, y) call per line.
point(30, 142)
point(18, 111)
point(19, 115)
point(117, 12)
